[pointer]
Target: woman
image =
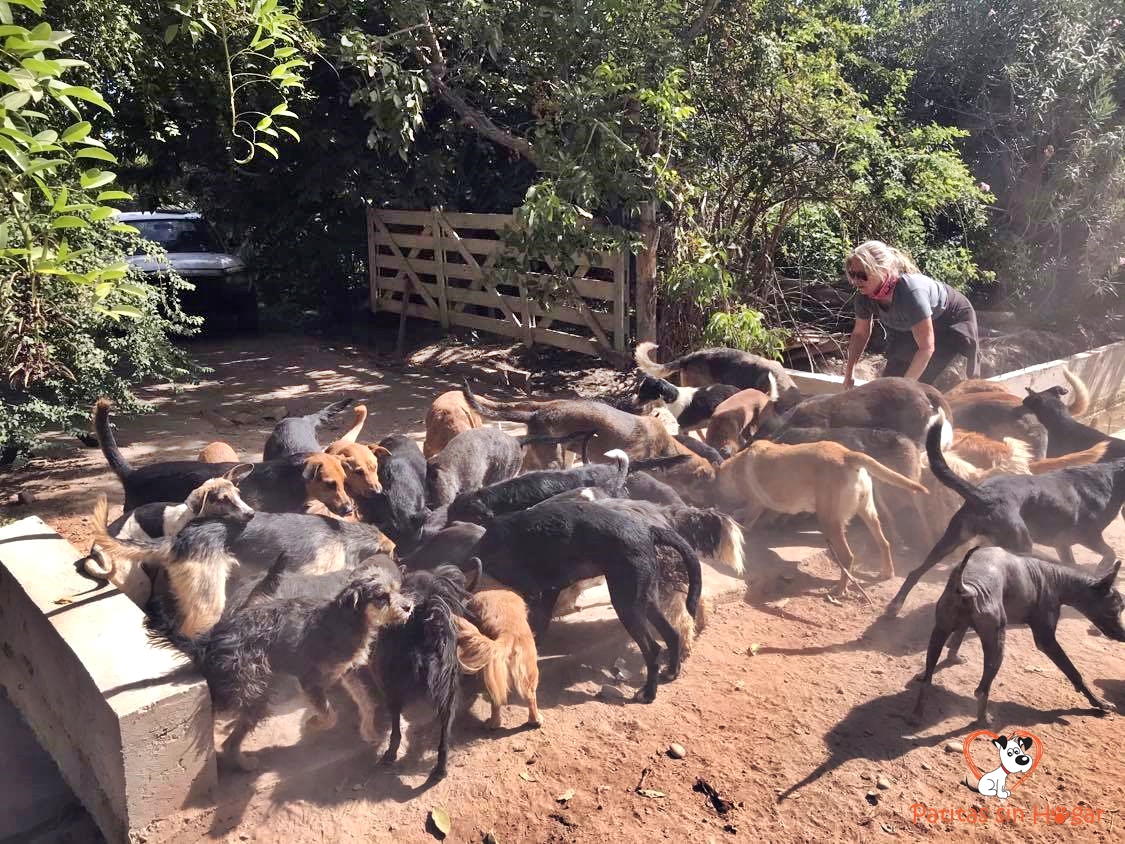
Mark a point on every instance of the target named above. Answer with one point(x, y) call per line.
point(928, 322)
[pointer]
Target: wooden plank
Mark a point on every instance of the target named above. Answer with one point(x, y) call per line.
point(463, 220)
point(418, 240)
point(421, 266)
point(471, 260)
point(439, 259)
point(561, 313)
point(620, 306)
point(479, 246)
point(566, 341)
point(408, 270)
point(590, 288)
point(372, 261)
point(394, 217)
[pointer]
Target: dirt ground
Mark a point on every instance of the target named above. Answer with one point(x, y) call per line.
point(791, 708)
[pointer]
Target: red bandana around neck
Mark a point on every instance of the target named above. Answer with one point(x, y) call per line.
point(886, 287)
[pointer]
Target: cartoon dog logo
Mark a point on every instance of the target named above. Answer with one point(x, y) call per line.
point(1014, 759)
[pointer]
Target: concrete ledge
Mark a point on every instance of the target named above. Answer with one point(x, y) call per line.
point(132, 742)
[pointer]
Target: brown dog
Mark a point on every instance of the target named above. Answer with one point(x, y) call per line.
point(502, 648)
point(824, 478)
point(448, 416)
point(218, 452)
point(361, 467)
point(728, 424)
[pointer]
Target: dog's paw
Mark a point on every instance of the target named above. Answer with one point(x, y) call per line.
point(645, 695)
point(388, 758)
point(1103, 705)
point(319, 721)
point(669, 674)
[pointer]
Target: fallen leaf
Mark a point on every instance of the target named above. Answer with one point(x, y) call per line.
point(566, 796)
point(650, 792)
point(439, 817)
point(490, 838)
point(754, 648)
point(64, 601)
point(524, 775)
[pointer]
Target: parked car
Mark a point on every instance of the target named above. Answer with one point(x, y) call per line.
point(224, 292)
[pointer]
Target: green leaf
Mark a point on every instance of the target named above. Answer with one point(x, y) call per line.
point(67, 221)
point(5, 13)
point(126, 310)
point(440, 819)
point(134, 290)
point(15, 100)
point(103, 212)
point(171, 32)
point(267, 148)
point(94, 152)
point(76, 132)
point(292, 132)
point(87, 94)
point(279, 108)
point(124, 228)
point(111, 195)
point(104, 289)
point(95, 178)
point(264, 123)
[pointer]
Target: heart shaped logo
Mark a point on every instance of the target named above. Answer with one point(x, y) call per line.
point(1036, 752)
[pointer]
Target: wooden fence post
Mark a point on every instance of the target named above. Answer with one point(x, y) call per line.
point(372, 261)
point(646, 274)
point(439, 260)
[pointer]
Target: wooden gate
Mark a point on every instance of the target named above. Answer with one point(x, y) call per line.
point(439, 265)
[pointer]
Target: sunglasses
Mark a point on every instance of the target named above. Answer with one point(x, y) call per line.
point(858, 275)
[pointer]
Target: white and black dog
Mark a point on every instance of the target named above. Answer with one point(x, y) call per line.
point(1014, 759)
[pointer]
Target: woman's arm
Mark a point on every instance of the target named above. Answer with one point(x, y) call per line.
point(923, 332)
point(856, 344)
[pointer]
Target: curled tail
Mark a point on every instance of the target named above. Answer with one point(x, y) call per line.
point(671, 539)
point(940, 468)
point(157, 551)
point(1081, 401)
point(882, 473)
point(360, 411)
point(113, 455)
point(959, 572)
point(476, 652)
point(643, 357)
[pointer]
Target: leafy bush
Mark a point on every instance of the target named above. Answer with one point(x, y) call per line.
point(745, 328)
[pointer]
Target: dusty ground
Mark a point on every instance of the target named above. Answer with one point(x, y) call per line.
point(791, 711)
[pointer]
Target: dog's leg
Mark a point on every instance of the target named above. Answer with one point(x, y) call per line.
point(957, 532)
point(530, 686)
point(323, 716)
point(1044, 634)
point(633, 619)
point(394, 710)
point(992, 641)
point(357, 688)
point(541, 611)
point(231, 753)
point(835, 534)
point(671, 638)
point(445, 715)
point(1096, 542)
point(953, 655)
point(938, 637)
point(1066, 555)
point(870, 517)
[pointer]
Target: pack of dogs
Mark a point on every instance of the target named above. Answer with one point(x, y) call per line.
point(414, 577)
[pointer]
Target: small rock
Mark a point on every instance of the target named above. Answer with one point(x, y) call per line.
point(872, 797)
point(1093, 631)
point(877, 671)
point(954, 747)
point(883, 783)
point(608, 692)
point(926, 766)
point(865, 776)
point(676, 751)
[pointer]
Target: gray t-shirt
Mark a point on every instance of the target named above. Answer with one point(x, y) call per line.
point(915, 297)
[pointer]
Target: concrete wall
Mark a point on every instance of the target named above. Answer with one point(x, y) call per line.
point(128, 727)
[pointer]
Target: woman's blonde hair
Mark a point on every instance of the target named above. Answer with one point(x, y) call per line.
point(878, 259)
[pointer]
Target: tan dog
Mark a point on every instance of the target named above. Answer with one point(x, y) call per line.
point(503, 648)
point(736, 418)
point(448, 416)
point(822, 478)
point(361, 467)
point(1093, 454)
point(218, 452)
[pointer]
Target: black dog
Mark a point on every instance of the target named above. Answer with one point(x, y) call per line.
point(992, 589)
point(644, 487)
point(541, 551)
point(1060, 509)
point(1065, 434)
point(453, 544)
point(691, 406)
point(316, 641)
point(720, 365)
point(297, 434)
point(400, 509)
point(417, 662)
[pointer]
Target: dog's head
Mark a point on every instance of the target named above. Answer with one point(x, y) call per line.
point(326, 481)
point(654, 390)
point(361, 467)
point(469, 507)
point(378, 591)
point(219, 497)
point(1013, 754)
point(1104, 604)
point(1049, 401)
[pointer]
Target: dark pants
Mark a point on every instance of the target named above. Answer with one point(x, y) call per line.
point(955, 333)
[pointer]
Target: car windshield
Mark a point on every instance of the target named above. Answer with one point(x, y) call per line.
point(178, 235)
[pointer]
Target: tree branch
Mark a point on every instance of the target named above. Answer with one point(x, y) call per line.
point(471, 116)
point(693, 31)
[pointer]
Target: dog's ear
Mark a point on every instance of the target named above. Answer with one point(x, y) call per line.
point(378, 449)
point(1025, 742)
point(1105, 582)
point(472, 576)
point(237, 474)
point(312, 470)
point(196, 500)
point(1001, 742)
point(1057, 391)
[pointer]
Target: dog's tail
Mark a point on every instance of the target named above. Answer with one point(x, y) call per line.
point(113, 455)
point(643, 356)
point(1079, 458)
point(958, 573)
point(664, 536)
point(494, 410)
point(1081, 401)
point(333, 409)
point(774, 393)
point(940, 468)
point(713, 534)
point(360, 411)
point(880, 472)
point(476, 652)
point(940, 418)
point(158, 551)
point(547, 439)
